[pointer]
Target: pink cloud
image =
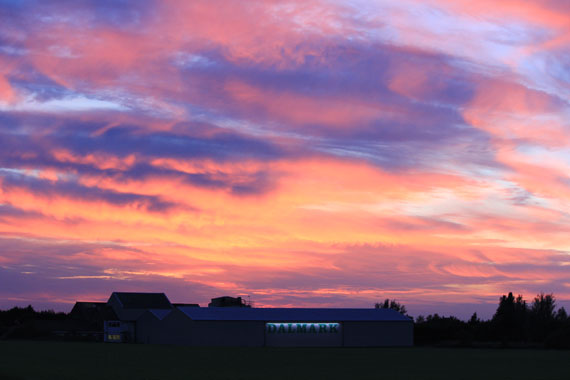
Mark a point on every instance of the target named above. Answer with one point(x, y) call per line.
point(304, 153)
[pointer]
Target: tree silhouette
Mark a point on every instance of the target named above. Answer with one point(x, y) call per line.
point(542, 315)
point(561, 315)
point(474, 319)
point(543, 306)
point(511, 318)
point(391, 304)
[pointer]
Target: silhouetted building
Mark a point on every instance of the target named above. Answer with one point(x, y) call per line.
point(129, 307)
point(231, 326)
point(227, 301)
point(92, 312)
point(230, 321)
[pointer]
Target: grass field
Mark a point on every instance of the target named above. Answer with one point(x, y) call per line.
point(66, 360)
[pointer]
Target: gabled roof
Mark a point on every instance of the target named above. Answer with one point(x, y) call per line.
point(291, 314)
point(80, 305)
point(92, 311)
point(143, 300)
point(160, 313)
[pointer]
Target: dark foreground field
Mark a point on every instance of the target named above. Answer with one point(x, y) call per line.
point(66, 360)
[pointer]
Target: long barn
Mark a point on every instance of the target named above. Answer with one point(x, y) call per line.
point(233, 326)
point(227, 321)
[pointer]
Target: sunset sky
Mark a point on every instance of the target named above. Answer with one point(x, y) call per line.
point(306, 153)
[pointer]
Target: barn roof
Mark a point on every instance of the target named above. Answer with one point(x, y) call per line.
point(143, 300)
point(160, 313)
point(94, 311)
point(290, 314)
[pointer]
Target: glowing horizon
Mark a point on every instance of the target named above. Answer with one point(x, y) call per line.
point(304, 153)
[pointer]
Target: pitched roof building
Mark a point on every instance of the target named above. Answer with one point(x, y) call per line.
point(130, 306)
point(152, 318)
point(231, 326)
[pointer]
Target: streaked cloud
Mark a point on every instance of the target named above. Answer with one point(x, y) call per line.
point(302, 152)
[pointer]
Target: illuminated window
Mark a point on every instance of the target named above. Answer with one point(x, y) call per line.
point(114, 337)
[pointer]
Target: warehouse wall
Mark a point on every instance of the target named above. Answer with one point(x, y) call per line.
point(145, 326)
point(178, 328)
point(381, 333)
point(175, 328)
point(290, 336)
point(229, 333)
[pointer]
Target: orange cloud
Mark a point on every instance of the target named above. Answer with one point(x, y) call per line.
point(317, 227)
point(6, 92)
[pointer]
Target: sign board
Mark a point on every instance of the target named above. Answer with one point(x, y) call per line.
point(303, 334)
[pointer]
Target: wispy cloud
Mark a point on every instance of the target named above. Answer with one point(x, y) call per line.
point(303, 152)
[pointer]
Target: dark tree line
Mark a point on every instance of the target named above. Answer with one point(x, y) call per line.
point(515, 324)
point(18, 315)
point(17, 322)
